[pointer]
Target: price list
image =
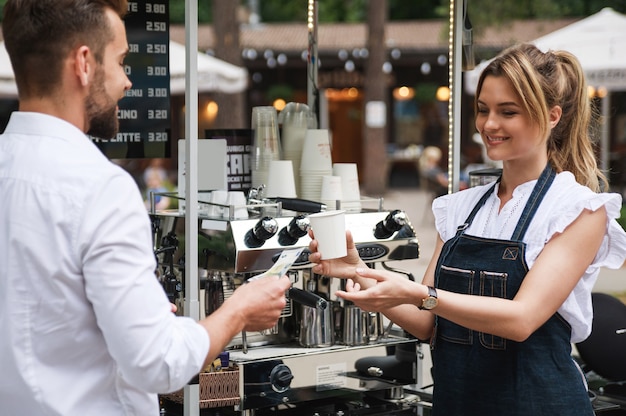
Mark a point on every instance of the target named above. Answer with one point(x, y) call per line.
point(144, 112)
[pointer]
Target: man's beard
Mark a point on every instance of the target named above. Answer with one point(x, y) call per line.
point(101, 110)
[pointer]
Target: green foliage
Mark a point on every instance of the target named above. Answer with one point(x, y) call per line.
point(423, 9)
point(426, 92)
point(177, 11)
point(348, 11)
point(283, 91)
point(488, 13)
point(483, 12)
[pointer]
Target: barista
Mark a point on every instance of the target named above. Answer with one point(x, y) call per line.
point(509, 286)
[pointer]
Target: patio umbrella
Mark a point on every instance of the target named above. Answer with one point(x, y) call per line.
point(213, 73)
point(598, 42)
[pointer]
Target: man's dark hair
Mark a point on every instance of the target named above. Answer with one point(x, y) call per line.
point(39, 34)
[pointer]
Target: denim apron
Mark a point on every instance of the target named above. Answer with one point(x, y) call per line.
point(476, 373)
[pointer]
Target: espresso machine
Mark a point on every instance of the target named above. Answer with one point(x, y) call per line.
point(321, 347)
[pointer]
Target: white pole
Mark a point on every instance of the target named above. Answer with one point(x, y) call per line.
point(191, 406)
point(604, 136)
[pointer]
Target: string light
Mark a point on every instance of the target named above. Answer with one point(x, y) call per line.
point(451, 25)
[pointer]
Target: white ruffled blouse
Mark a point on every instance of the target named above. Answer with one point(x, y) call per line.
point(563, 203)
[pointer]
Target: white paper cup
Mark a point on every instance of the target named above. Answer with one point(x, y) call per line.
point(329, 228)
point(203, 203)
point(316, 154)
point(280, 180)
point(218, 197)
point(237, 200)
point(349, 179)
point(351, 194)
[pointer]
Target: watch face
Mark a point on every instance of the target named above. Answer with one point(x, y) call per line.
point(430, 303)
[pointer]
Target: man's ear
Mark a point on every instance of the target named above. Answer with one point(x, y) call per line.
point(82, 65)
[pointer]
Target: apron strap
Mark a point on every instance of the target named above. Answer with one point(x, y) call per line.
point(539, 191)
point(461, 228)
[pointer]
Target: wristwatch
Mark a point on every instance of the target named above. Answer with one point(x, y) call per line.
point(430, 301)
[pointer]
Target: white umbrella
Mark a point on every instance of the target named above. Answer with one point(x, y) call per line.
point(213, 74)
point(599, 43)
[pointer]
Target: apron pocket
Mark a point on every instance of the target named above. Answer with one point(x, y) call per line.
point(493, 284)
point(461, 281)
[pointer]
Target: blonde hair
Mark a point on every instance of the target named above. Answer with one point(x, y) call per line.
point(542, 81)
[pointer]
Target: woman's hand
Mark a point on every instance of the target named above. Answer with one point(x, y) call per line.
point(384, 290)
point(342, 267)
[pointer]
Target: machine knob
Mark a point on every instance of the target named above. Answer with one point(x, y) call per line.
point(297, 227)
point(280, 378)
point(265, 228)
point(262, 231)
point(392, 223)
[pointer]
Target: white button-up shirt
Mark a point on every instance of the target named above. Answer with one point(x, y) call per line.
point(85, 327)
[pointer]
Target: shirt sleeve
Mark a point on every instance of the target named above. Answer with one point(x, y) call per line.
point(154, 349)
point(612, 252)
point(440, 212)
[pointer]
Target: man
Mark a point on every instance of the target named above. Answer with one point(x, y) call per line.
point(86, 328)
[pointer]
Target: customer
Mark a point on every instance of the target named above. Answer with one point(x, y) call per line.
point(85, 327)
point(434, 177)
point(508, 288)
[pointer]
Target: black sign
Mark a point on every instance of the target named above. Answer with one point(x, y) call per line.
point(238, 145)
point(144, 113)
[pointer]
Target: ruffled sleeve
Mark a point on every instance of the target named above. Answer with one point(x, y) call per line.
point(612, 252)
point(440, 212)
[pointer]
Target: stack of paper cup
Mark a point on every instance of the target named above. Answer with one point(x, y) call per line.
point(315, 163)
point(266, 146)
point(295, 119)
point(331, 191)
point(280, 180)
point(351, 194)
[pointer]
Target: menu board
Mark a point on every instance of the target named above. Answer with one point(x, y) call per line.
point(144, 112)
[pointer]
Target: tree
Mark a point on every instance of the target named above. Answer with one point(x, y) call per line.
point(227, 47)
point(375, 138)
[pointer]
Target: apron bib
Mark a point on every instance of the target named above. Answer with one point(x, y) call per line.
point(481, 374)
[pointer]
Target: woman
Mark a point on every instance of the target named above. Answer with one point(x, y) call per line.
point(508, 288)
